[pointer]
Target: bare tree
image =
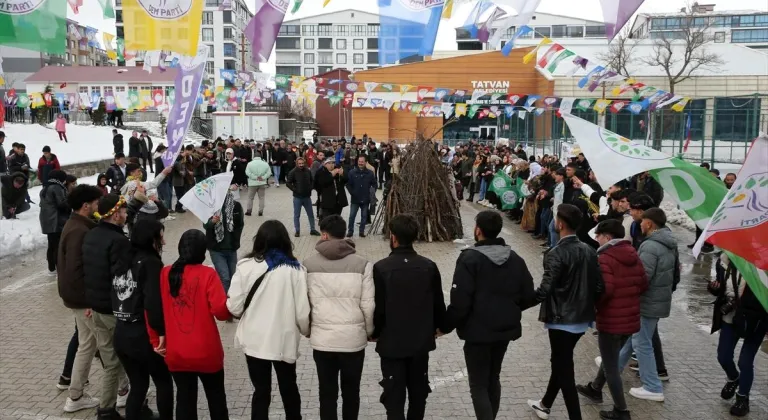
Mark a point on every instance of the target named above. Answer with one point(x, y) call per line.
point(620, 55)
point(684, 51)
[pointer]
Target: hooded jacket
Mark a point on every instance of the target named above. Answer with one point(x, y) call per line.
point(258, 172)
point(45, 166)
point(71, 276)
point(341, 294)
point(54, 210)
point(624, 278)
point(117, 143)
point(12, 196)
point(108, 253)
point(659, 256)
point(491, 288)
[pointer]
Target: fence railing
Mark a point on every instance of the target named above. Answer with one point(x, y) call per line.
point(77, 116)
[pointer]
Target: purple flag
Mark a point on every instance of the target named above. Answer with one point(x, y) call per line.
point(187, 85)
point(225, 5)
point(263, 27)
point(617, 13)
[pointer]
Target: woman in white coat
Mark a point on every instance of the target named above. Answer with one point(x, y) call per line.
point(269, 295)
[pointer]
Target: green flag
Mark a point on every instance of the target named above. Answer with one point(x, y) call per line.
point(121, 49)
point(507, 190)
point(38, 25)
point(22, 101)
point(109, 11)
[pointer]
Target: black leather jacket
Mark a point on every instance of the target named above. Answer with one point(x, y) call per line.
point(571, 284)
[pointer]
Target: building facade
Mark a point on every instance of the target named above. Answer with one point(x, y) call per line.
point(333, 120)
point(744, 27)
point(347, 39)
point(222, 30)
point(561, 29)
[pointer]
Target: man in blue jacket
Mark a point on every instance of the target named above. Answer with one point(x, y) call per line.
point(361, 180)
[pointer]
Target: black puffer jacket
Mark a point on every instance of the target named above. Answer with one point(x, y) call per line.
point(300, 182)
point(117, 143)
point(330, 189)
point(12, 196)
point(491, 288)
point(571, 284)
point(54, 210)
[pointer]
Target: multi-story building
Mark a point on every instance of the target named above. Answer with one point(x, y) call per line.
point(559, 28)
point(746, 27)
point(348, 39)
point(221, 30)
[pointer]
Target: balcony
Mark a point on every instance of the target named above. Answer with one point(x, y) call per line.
point(288, 57)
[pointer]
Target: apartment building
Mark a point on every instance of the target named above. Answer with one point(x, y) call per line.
point(221, 30)
point(562, 29)
point(744, 27)
point(348, 39)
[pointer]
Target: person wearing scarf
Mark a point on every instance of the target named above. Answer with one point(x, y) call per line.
point(271, 327)
point(222, 238)
point(154, 209)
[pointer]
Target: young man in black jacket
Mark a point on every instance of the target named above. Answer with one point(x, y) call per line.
point(409, 312)
point(491, 288)
point(300, 181)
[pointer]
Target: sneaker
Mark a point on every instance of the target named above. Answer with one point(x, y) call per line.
point(599, 361)
point(591, 393)
point(248, 213)
point(52, 273)
point(297, 234)
point(634, 356)
point(615, 414)
point(122, 400)
point(170, 218)
point(277, 185)
point(741, 407)
point(663, 375)
point(729, 390)
point(540, 411)
point(108, 414)
point(84, 402)
point(644, 394)
point(314, 233)
point(635, 366)
point(362, 235)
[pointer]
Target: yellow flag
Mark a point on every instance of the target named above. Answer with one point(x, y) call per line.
point(680, 105)
point(461, 109)
point(601, 104)
point(531, 55)
point(37, 100)
point(447, 9)
point(108, 45)
point(2, 80)
point(174, 26)
point(325, 2)
point(145, 98)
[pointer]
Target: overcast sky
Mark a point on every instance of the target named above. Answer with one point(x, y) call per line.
point(91, 14)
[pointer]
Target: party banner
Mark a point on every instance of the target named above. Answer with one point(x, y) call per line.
point(107, 38)
point(263, 28)
point(187, 85)
point(106, 6)
point(207, 197)
point(90, 35)
point(407, 28)
point(616, 13)
point(152, 25)
point(38, 25)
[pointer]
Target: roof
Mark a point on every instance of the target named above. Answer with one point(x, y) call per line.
point(90, 74)
point(333, 72)
point(704, 14)
point(328, 13)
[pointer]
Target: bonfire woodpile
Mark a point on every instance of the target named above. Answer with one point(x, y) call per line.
point(425, 189)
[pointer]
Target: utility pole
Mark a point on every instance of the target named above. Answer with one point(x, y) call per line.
point(242, 51)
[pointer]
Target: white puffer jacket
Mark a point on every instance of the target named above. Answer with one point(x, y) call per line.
point(341, 293)
point(278, 315)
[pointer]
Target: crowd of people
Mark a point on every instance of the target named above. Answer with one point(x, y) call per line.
point(610, 263)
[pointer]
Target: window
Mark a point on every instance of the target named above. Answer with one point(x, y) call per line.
point(761, 20)
point(324, 69)
point(719, 37)
point(69, 57)
point(309, 72)
point(229, 49)
point(373, 58)
point(658, 23)
point(373, 43)
point(325, 58)
point(118, 16)
point(207, 18)
point(358, 59)
point(210, 51)
point(699, 22)
point(94, 89)
point(749, 35)
point(227, 16)
point(212, 3)
point(325, 29)
point(597, 31)
point(209, 67)
point(289, 70)
point(720, 21)
point(229, 65)
point(357, 44)
point(308, 30)
point(227, 33)
point(358, 30)
point(668, 35)
point(309, 58)
point(325, 43)
point(373, 29)
point(341, 58)
point(558, 31)
point(120, 32)
point(341, 44)
point(542, 31)
point(746, 21)
point(575, 32)
point(358, 69)
point(283, 43)
point(290, 30)
point(342, 30)
point(309, 44)
point(83, 89)
point(471, 46)
point(673, 23)
point(208, 34)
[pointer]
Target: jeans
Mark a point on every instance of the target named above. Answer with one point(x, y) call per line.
point(104, 331)
point(180, 191)
point(553, 235)
point(658, 351)
point(610, 346)
point(259, 191)
point(409, 374)
point(186, 394)
point(69, 359)
point(225, 263)
point(276, 173)
point(52, 254)
point(260, 372)
point(353, 208)
point(484, 367)
point(483, 188)
point(725, 349)
point(306, 203)
point(165, 193)
point(562, 378)
point(331, 366)
point(641, 342)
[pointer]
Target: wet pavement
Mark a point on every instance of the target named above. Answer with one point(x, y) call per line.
point(35, 329)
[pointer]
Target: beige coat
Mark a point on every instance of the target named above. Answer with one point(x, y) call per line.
point(341, 295)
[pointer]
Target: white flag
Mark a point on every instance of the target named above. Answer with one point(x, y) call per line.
point(207, 196)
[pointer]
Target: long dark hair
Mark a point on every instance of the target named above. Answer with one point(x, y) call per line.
point(147, 235)
point(191, 251)
point(271, 235)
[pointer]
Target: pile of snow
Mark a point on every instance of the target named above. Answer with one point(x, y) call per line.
point(677, 216)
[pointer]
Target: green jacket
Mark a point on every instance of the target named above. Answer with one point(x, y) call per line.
point(256, 169)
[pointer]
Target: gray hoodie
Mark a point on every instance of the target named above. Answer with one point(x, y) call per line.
point(659, 256)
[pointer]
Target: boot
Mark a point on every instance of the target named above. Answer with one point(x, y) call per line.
point(147, 413)
point(729, 389)
point(615, 414)
point(590, 392)
point(741, 407)
point(108, 414)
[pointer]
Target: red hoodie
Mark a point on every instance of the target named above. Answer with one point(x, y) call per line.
point(192, 338)
point(618, 310)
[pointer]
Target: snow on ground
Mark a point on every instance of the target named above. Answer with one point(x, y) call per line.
point(677, 216)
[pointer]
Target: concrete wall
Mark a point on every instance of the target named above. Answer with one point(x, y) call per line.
point(81, 170)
